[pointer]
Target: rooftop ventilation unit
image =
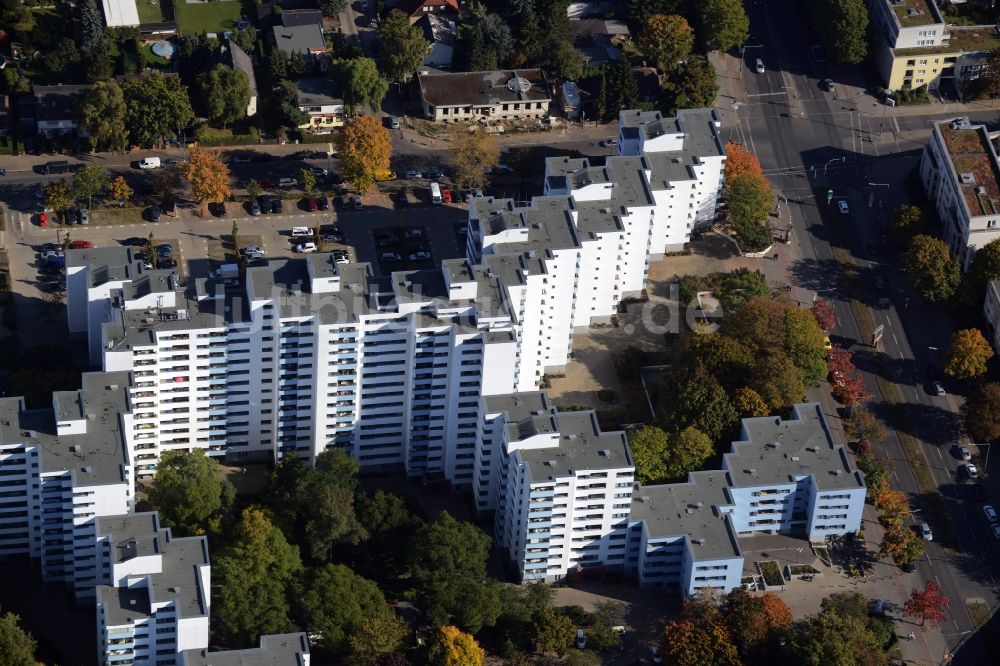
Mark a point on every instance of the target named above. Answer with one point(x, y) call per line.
point(605, 452)
point(967, 178)
point(88, 469)
point(980, 190)
point(550, 463)
point(644, 498)
point(519, 84)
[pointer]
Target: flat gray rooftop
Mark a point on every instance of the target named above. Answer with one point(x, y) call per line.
point(96, 457)
point(274, 650)
point(582, 446)
point(689, 510)
point(776, 451)
point(518, 406)
point(131, 535)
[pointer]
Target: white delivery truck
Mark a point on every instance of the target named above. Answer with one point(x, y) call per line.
point(149, 163)
point(435, 194)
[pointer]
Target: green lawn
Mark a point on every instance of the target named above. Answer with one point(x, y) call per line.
point(110, 216)
point(152, 11)
point(207, 16)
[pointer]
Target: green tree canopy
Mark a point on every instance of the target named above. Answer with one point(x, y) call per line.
point(933, 272)
point(724, 24)
point(376, 637)
point(225, 92)
point(696, 398)
point(157, 107)
point(649, 452)
point(188, 490)
point(403, 46)
point(750, 200)
point(984, 267)
point(981, 413)
point(778, 381)
point(17, 646)
point(687, 451)
point(102, 112)
point(57, 195)
point(805, 344)
point(907, 221)
point(832, 639)
point(337, 602)
point(843, 25)
point(691, 85)
point(359, 82)
point(552, 632)
point(256, 574)
point(738, 287)
point(90, 181)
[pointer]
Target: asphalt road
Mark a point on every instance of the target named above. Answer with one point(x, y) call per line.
point(809, 141)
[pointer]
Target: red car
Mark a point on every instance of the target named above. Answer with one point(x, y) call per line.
point(80, 245)
point(43, 220)
point(446, 196)
point(312, 205)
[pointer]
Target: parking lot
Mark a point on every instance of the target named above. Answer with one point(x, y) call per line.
point(418, 236)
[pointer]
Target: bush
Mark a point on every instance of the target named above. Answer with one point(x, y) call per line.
point(771, 572)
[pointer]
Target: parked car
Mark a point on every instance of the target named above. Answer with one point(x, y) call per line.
point(925, 532)
point(43, 220)
point(164, 250)
point(393, 122)
point(318, 171)
point(265, 203)
point(153, 213)
point(306, 247)
point(80, 245)
point(312, 205)
point(323, 203)
point(961, 452)
point(654, 655)
point(446, 196)
point(971, 471)
point(607, 143)
point(826, 85)
point(996, 530)
point(413, 175)
point(414, 233)
point(991, 513)
point(277, 205)
point(149, 163)
point(435, 173)
point(844, 207)
point(937, 388)
point(287, 182)
point(253, 249)
point(581, 639)
point(83, 216)
point(420, 255)
point(301, 232)
point(390, 256)
point(759, 66)
point(254, 207)
point(356, 202)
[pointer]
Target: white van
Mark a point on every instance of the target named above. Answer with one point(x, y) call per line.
point(299, 232)
point(435, 194)
point(149, 163)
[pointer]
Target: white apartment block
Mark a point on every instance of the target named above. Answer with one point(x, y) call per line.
point(907, 24)
point(274, 650)
point(681, 537)
point(154, 592)
point(563, 500)
point(789, 476)
point(563, 490)
point(961, 175)
point(61, 468)
point(308, 354)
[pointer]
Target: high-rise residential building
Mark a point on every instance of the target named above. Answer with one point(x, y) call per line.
point(274, 650)
point(563, 487)
point(154, 591)
point(961, 175)
point(63, 467)
point(307, 354)
point(563, 499)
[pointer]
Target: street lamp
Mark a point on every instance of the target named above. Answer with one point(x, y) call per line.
point(946, 657)
point(835, 159)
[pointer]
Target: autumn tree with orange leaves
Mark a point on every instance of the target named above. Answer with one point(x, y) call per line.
point(740, 161)
point(209, 177)
point(928, 605)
